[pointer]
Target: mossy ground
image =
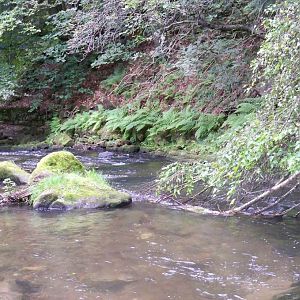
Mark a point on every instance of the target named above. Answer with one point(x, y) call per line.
point(75, 190)
point(72, 185)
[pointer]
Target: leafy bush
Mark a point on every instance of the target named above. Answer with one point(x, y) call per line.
point(114, 53)
point(8, 83)
point(244, 112)
point(267, 144)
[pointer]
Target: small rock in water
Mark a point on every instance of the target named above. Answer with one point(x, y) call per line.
point(26, 287)
point(146, 236)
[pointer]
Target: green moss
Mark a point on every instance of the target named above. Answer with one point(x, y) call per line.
point(73, 190)
point(60, 139)
point(57, 163)
point(9, 169)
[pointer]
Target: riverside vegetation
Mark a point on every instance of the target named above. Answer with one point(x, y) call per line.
point(216, 79)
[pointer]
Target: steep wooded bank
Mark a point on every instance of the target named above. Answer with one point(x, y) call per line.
point(165, 73)
point(214, 78)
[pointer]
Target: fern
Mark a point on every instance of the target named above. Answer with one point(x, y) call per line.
point(96, 120)
point(55, 125)
point(186, 121)
point(243, 114)
point(172, 123)
point(115, 119)
point(163, 125)
point(139, 122)
point(75, 124)
point(207, 123)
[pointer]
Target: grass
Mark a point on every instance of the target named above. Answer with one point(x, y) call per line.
point(72, 185)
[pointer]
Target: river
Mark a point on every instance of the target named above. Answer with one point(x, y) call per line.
point(146, 251)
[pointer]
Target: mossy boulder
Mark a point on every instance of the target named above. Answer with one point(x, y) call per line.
point(73, 190)
point(9, 169)
point(62, 139)
point(107, 135)
point(130, 148)
point(59, 162)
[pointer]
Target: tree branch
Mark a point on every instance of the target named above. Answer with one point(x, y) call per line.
point(222, 27)
point(273, 189)
point(277, 201)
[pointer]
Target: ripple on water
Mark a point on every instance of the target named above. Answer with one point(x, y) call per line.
point(144, 252)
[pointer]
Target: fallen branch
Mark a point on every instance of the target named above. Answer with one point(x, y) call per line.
point(235, 27)
point(268, 192)
point(282, 198)
point(290, 209)
point(222, 27)
point(20, 196)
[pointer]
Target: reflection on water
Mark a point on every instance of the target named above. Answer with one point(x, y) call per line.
point(142, 252)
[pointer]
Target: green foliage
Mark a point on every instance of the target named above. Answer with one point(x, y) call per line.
point(113, 54)
point(221, 65)
point(135, 125)
point(266, 143)
point(81, 122)
point(173, 123)
point(148, 124)
point(178, 178)
point(257, 7)
point(115, 77)
point(95, 121)
point(43, 43)
point(19, 31)
point(55, 125)
point(8, 83)
point(114, 117)
point(207, 123)
point(75, 124)
point(34, 54)
point(245, 111)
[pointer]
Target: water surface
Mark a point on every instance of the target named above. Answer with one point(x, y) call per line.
point(142, 252)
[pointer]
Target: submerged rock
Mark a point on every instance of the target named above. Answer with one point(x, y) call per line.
point(59, 162)
point(9, 169)
point(69, 191)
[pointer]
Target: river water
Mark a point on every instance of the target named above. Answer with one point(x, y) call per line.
point(145, 251)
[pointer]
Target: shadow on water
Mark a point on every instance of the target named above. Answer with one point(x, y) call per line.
point(142, 252)
point(292, 294)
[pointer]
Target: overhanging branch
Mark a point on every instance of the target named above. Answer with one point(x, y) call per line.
point(222, 27)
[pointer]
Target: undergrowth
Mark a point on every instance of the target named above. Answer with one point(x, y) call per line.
point(153, 128)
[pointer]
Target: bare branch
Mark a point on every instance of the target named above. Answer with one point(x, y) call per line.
point(268, 192)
